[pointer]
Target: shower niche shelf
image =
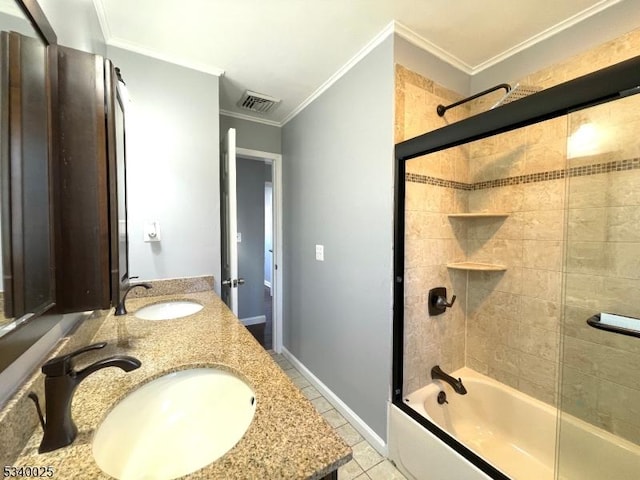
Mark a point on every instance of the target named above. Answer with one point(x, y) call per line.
point(477, 267)
point(479, 215)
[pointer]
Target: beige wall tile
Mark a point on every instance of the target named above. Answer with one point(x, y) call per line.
point(589, 258)
point(547, 195)
point(540, 313)
point(587, 224)
point(546, 156)
point(619, 405)
point(544, 225)
point(509, 281)
point(579, 388)
point(495, 250)
point(538, 371)
point(623, 188)
point(623, 224)
point(537, 341)
point(542, 284)
point(588, 191)
point(544, 393)
point(543, 254)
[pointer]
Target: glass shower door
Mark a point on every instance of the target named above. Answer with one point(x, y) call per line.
point(599, 394)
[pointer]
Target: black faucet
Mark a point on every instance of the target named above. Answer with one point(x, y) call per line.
point(121, 309)
point(438, 374)
point(61, 381)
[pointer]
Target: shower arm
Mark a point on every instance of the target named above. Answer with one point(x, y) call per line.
point(441, 109)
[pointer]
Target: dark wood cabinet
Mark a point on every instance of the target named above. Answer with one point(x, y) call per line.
point(26, 154)
point(89, 205)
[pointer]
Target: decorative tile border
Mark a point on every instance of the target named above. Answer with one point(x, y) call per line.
point(582, 171)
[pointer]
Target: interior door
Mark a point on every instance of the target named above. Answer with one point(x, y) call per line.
point(229, 221)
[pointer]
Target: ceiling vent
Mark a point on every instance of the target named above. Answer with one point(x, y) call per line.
point(257, 102)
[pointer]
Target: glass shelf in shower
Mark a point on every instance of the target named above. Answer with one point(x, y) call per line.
point(475, 266)
point(479, 215)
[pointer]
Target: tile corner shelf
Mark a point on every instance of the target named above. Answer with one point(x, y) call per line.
point(474, 266)
point(479, 215)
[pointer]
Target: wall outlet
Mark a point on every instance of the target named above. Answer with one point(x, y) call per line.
point(320, 253)
point(239, 237)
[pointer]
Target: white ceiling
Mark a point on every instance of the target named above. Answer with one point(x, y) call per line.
point(290, 48)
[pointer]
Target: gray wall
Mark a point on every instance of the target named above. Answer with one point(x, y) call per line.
point(430, 66)
point(250, 190)
point(253, 135)
point(338, 182)
point(172, 167)
point(76, 24)
point(604, 26)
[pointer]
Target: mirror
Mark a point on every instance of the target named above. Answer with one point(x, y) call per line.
point(25, 151)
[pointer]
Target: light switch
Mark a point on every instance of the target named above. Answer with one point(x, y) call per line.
point(238, 237)
point(320, 253)
point(152, 232)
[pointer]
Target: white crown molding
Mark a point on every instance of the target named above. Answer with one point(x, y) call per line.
point(242, 116)
point(549, 32)
point(373, 43)
point(102, 19)
point(412, 37)
point(133, 47)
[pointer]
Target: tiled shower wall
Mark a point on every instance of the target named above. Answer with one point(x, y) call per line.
point(601, 370)
point(512, 319)
point(431, 240)
point(513, 316)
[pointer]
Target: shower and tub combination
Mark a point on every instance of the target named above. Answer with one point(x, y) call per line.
point(532, 370)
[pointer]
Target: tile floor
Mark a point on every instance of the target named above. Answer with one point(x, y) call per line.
point(367, 463)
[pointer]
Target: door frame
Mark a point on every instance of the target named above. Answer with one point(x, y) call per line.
point(277, 275)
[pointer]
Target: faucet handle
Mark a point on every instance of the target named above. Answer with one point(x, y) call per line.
point(59, 366)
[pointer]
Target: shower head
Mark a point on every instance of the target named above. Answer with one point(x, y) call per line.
point(516, 93)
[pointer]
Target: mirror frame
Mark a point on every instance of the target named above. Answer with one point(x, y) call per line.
point(26, 333)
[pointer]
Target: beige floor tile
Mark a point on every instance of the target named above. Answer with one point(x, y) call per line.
point(292, 373)
point(385, 471)
point(350, 471)
point(366, 455)
point(300, 382)
point(364, 476)
point(321, 404)
point(310, 392)
point(334, 418)
point(349, 434)
point(284, 363)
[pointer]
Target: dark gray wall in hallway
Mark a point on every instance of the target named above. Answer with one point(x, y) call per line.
point(338, 192)
point(250, 187)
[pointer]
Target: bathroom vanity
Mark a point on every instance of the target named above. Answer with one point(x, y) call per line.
point(287, 438)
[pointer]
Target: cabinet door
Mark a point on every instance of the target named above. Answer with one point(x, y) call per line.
point(83, 230)
point(25, 161)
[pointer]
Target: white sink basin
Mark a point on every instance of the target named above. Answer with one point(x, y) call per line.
point(174, 425)
point(168, 310)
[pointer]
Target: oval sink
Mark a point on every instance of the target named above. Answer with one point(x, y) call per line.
point(168, 310)
point(174, 425)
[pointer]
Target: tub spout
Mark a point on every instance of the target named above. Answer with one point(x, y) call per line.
point(438, 374)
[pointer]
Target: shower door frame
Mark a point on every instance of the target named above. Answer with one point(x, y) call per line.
point(610, 83)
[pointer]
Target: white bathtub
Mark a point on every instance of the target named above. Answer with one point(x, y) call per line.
point(512, 431)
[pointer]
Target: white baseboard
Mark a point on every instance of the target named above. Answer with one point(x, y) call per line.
point(253, 320)
point(359, 424)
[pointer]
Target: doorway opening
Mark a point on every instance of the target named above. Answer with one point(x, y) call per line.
point(258, 241)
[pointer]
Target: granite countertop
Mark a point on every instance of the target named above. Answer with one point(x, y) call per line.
point(287, 439)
